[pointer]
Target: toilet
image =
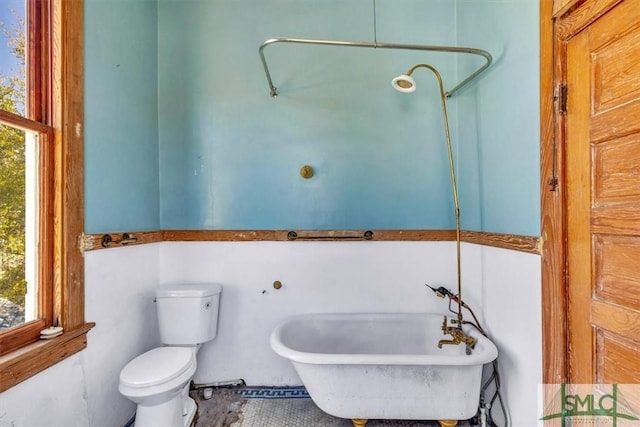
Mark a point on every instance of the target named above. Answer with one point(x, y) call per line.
point(158, 380)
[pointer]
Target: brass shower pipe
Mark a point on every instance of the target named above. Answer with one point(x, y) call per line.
point(375, 45)
point(405, 83)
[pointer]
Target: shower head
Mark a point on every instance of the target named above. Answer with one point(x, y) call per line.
point(404, 83)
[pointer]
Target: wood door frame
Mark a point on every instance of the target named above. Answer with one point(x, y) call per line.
point(555, 31)
point(554, 302)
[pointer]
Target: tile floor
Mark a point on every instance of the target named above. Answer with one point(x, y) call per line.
point(275, 407)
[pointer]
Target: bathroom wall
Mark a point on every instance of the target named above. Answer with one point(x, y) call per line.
point(378, 154)
point(316, 277)
point(499, 118)
point(121, 116)
point(121, 193)
point(230, 154)
point(499, 129)
point(55, 397)
point(120, 285)
point(83, 390)
point(501, 286)
point(511, 304)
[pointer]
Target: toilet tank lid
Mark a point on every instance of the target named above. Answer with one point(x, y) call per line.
point(189, 290)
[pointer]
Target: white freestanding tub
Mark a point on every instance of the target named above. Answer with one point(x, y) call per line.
point(384, 366)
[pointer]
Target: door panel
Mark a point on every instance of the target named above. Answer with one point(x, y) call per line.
point(617, 276)
point(612, 349)
point(616, 319)
point(616, 163)
point(616, 220)
point(612, 55)
point(616, 72)
point(603, 198)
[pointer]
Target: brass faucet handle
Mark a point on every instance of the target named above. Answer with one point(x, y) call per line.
point(470, 341)
point(457, 335)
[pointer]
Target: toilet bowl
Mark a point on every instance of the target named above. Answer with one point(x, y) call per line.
point(158, 380)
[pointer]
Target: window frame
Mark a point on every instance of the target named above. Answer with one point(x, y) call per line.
point(59, 50)
point(38, 75)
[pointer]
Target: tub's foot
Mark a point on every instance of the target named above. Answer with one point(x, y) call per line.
point(448, 423)
point(358, 422)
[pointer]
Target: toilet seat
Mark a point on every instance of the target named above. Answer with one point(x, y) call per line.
point(157, 366)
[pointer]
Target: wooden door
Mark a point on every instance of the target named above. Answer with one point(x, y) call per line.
point(602, 177)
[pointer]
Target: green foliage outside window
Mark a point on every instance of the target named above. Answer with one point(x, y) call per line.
point(12, 175)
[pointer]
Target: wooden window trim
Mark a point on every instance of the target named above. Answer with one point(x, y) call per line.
point(66, 212)
point(36, 357)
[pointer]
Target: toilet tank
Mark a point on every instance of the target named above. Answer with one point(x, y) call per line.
point(188, 314)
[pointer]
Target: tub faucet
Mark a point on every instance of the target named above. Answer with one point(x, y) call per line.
point(457, 334)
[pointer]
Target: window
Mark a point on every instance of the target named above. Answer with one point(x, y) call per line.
point(41, 215)
point(25, 150)
point(20, 199)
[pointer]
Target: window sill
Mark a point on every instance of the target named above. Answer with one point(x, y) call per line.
point(22, 364)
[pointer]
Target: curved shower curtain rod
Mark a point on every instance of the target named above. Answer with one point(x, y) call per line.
point(486, 55)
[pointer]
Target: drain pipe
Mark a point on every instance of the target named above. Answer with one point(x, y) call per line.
point(233, 383)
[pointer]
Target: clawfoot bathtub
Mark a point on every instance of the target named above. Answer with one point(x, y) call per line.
point(384, 366)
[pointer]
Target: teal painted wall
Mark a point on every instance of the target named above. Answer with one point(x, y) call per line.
point(121, 116)
point(499, 119)
point(180, 132)
point(230, 154)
